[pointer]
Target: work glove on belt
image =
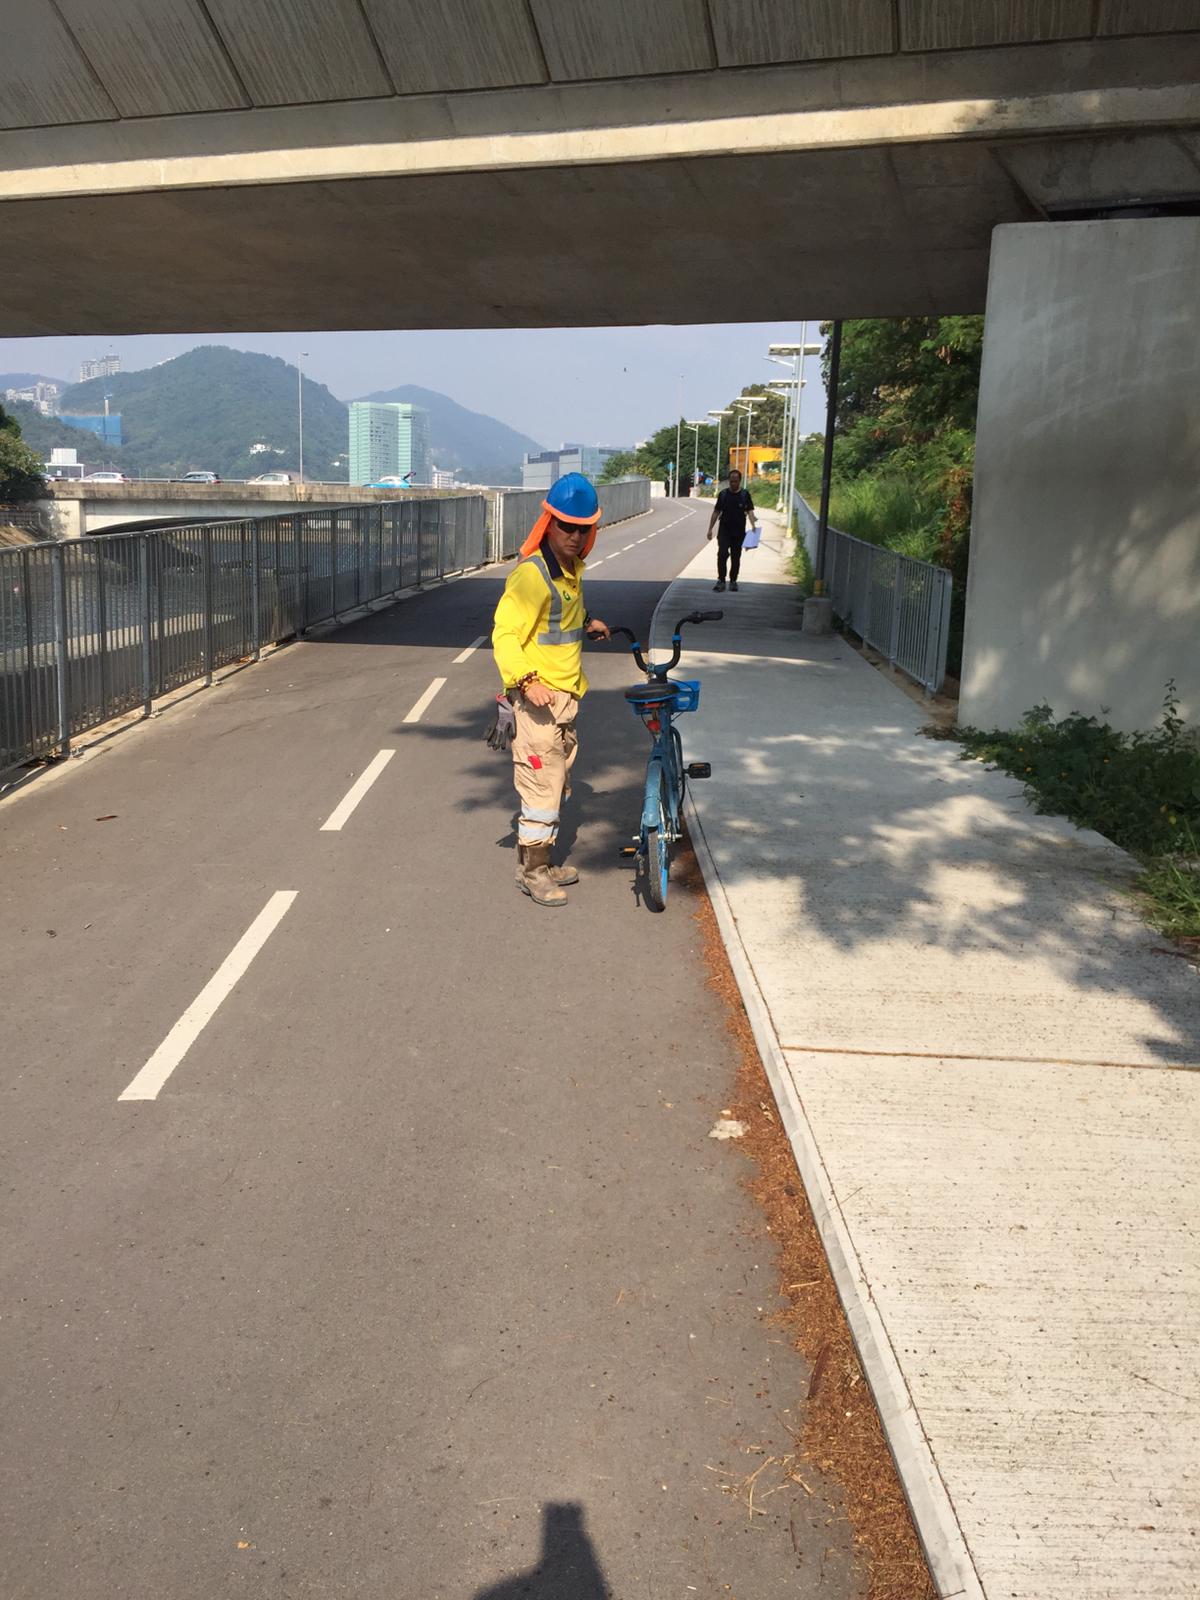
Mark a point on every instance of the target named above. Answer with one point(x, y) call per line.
point(503, 726)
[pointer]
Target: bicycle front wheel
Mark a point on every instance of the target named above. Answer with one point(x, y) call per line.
point(658, 838)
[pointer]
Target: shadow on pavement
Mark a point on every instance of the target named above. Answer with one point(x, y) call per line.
point(454, 615)
point(883, 852)
point(568, 1568)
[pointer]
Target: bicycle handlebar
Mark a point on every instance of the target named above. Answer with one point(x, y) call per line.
point(661, 671)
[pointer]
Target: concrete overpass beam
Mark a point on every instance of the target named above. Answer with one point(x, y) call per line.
point(1084, 588)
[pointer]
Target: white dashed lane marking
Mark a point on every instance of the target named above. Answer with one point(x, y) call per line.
point(340, 815)
point(422, 704)
point(204, 1007)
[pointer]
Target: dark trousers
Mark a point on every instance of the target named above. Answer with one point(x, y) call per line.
point(729, 549)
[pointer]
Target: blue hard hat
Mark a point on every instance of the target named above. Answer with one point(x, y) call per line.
point(573, 498)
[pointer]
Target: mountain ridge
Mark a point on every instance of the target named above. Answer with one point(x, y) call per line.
point(469, 440)
point(234, 412)
point(25, 380)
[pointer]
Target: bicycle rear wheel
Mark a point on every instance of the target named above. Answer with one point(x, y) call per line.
point(657, 860)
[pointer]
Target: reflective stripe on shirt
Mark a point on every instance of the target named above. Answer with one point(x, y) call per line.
point(555, 632)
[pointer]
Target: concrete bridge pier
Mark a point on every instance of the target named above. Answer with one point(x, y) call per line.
point(1084, 589)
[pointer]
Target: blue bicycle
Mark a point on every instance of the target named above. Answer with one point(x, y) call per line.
point(658, 702)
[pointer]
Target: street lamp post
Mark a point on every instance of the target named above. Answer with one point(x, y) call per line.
point(784, 386)
point(719, 414)
point(798, 353)
point(788, 388)
point(300, 407)
point(737, 437)
point(678, 440)
point(748, 407)
point(695, 427)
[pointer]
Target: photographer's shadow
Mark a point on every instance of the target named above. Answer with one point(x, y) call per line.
point(568, 1568)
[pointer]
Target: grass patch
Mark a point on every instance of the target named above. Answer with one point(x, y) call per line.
point(1141, 790)
point(889, 510)
point(800, 563)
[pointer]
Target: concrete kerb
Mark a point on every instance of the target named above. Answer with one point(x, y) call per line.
point(929, 1501)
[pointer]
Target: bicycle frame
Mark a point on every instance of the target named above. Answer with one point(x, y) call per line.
point(658, 702)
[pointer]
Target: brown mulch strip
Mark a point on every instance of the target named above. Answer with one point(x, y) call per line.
point(842, 1434)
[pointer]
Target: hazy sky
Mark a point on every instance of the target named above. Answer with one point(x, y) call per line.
point(593, 385)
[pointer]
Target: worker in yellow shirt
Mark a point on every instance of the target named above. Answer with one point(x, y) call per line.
point(537, 640)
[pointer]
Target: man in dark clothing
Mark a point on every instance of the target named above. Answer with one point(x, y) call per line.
point(733, 506)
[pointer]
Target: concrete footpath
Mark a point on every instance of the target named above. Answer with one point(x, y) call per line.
point(988, 1066)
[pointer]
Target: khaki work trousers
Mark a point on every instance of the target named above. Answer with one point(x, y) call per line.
point(543, 754)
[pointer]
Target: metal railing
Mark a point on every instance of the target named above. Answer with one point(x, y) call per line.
point(517, 510)
point(899, 606)
point(91, 628)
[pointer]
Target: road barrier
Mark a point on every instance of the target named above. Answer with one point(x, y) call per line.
point(899, 606)
point(516, 511)
point(91, 628)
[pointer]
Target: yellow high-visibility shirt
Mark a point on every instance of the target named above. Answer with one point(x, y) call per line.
point(538, 626)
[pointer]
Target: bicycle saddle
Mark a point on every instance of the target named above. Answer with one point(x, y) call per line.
point(651, 694)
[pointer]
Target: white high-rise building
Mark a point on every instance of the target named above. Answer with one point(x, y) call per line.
point(389, 439)
point(102, 367)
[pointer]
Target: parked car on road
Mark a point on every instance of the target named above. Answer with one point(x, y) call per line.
point(272, 477)
point(104, 477)
point(199, 477)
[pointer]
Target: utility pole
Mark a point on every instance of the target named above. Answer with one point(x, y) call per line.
point(835, 362)
point(678, 439)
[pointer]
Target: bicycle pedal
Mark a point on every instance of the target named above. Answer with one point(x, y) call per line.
point(699, 769)
point(629, 849)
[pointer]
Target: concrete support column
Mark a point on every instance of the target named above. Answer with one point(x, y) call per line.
point(62, 519)
point(1084, 588)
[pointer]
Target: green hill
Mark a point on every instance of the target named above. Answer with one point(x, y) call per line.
point(234, 413)
point(25, 380)
point(210, 408)
point(476, 446)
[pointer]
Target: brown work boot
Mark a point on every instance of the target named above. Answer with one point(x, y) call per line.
point(534, 876)
point(563, 875)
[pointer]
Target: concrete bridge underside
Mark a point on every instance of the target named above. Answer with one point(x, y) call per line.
point(245, 165)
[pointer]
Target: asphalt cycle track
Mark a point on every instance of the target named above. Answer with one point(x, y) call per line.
point(363, 1232)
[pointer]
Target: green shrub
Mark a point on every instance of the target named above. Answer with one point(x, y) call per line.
point(764, 491)
point(1141, 790)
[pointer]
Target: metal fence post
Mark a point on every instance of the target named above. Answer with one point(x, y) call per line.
point(144, 585)
point(255, 588)
point(102, 632)
point(27, 607)
point(301, 617)
point(943, 636)
point(61, 651)
point(206, 576)
point(333, 563)
point(894, 630)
